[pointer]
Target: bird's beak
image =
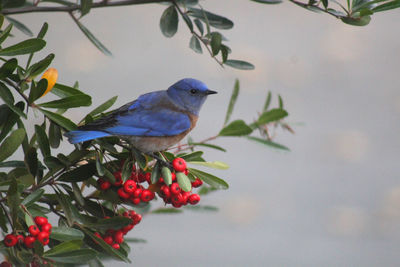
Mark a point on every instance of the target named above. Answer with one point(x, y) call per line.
point(210, 92)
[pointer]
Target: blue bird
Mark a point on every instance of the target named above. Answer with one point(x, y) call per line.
point(154, 121)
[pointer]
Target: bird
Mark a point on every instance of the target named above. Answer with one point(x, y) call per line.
point(154, 121)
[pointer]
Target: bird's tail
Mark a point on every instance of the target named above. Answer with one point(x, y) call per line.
point(82, 136)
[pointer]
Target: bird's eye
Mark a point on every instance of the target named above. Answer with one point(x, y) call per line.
point(193, 91)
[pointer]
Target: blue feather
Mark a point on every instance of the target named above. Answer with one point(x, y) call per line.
point(82, 136)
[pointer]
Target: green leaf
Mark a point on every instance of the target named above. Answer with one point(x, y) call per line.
point(275, 114)
point(28, 220)
point(268, 1)
point(11, 143)
point(268, 143)
point(79, 174)
point(42, 140)
point(12, 164)
point(63, 91)
point(20, 26)
point(64, 247)
point(106, 105)
point(166, 210)
point(235, 93)
point(267, 101)
point(24, 47)
point(224, 53)
point(169, 22)
point(156, 172)
point(60, 120)
point(214, 20)
point(194, 156)
point(216, 40)
point(280, 101)
point(86, 5)
point(239, 64)
point(8, 68)
point(77, 256)
point(66, 207)
point(387, 6)
point(40, 66)
point(199, 26)
point(95, 263)
point(13, 199)
point(78, 194)
point(32, 197)
point(202, 208)
point(93, 39)
point(99, 166)
point(209, 179)
point(107, 248)
point(4, 34)
point(126, 170)
point(31, 161)
point(64, 233)
point(69, 102)
point(195, 45)
point(115, 223)
point(183, 181)
point(357, 21)
point(210, 146)
point(8, 98)
point(37, 90)
point(211, 164)
point(11, 120)
point(236, 128)
point(166, 175)
point(188, 21)
point(54, 135)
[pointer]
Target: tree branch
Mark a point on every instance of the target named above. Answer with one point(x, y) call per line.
point(74, 7)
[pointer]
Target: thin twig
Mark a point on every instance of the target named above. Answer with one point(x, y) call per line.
point(74, 7)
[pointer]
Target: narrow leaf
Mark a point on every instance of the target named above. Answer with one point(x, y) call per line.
point(66, 233)
point(195, 45)
point(69, 102)
point(11, 143)
point(166, 175)
point(103, 107)
point(235, 93)
point(272, 115)
point(239, 64)
point(211, 164)
point(8, 98)
point(214, 20)
point(64, 247)
point(77, 256)
point(268, 143)
point(42, 140)
point(59, 119)
point(209, 179)
point(183, 181)
point(20, 26)
point(24, 47)
point(32, 197)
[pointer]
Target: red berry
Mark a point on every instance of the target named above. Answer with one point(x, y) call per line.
point(173, 176)
point(40, 220)
point(108, 239)
point(174, 188)
point(165, 192)
point(177, 204)
point(147, 177)
point(137, 192)
point(118, 179)
point(121, 192)
point(5, 264)
point(161, 180)
point(194, 199)
point(105, 185)
point(47, 227)
point(141, 177)
point(185, 197)
point(119, 237)
point(28, 241)
point(20, 238)
point(98, 235)
point(132, 213)
point(130, 186)
point(10, 240)
point(147, 195)
point(116, 246)
point(178, 198)
point(137, 218)
point(179, 164)
point(197, 182)
point(126, 214)
point(33, 230)
point(135, 200)
point(43, 238)
point(127, 228)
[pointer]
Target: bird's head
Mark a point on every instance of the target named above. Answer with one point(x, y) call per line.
point(189, 94)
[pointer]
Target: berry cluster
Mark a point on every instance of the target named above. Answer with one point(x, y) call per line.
point(133, 190)
point(39, 231)
point(130, 190)
point(173, 194)
point(115, 237)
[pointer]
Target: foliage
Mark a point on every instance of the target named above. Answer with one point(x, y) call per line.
point(51, 183)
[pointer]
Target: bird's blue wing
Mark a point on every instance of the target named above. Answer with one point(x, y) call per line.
point(149, 122)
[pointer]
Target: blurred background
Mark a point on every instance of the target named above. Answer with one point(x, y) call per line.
point(333, 200)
